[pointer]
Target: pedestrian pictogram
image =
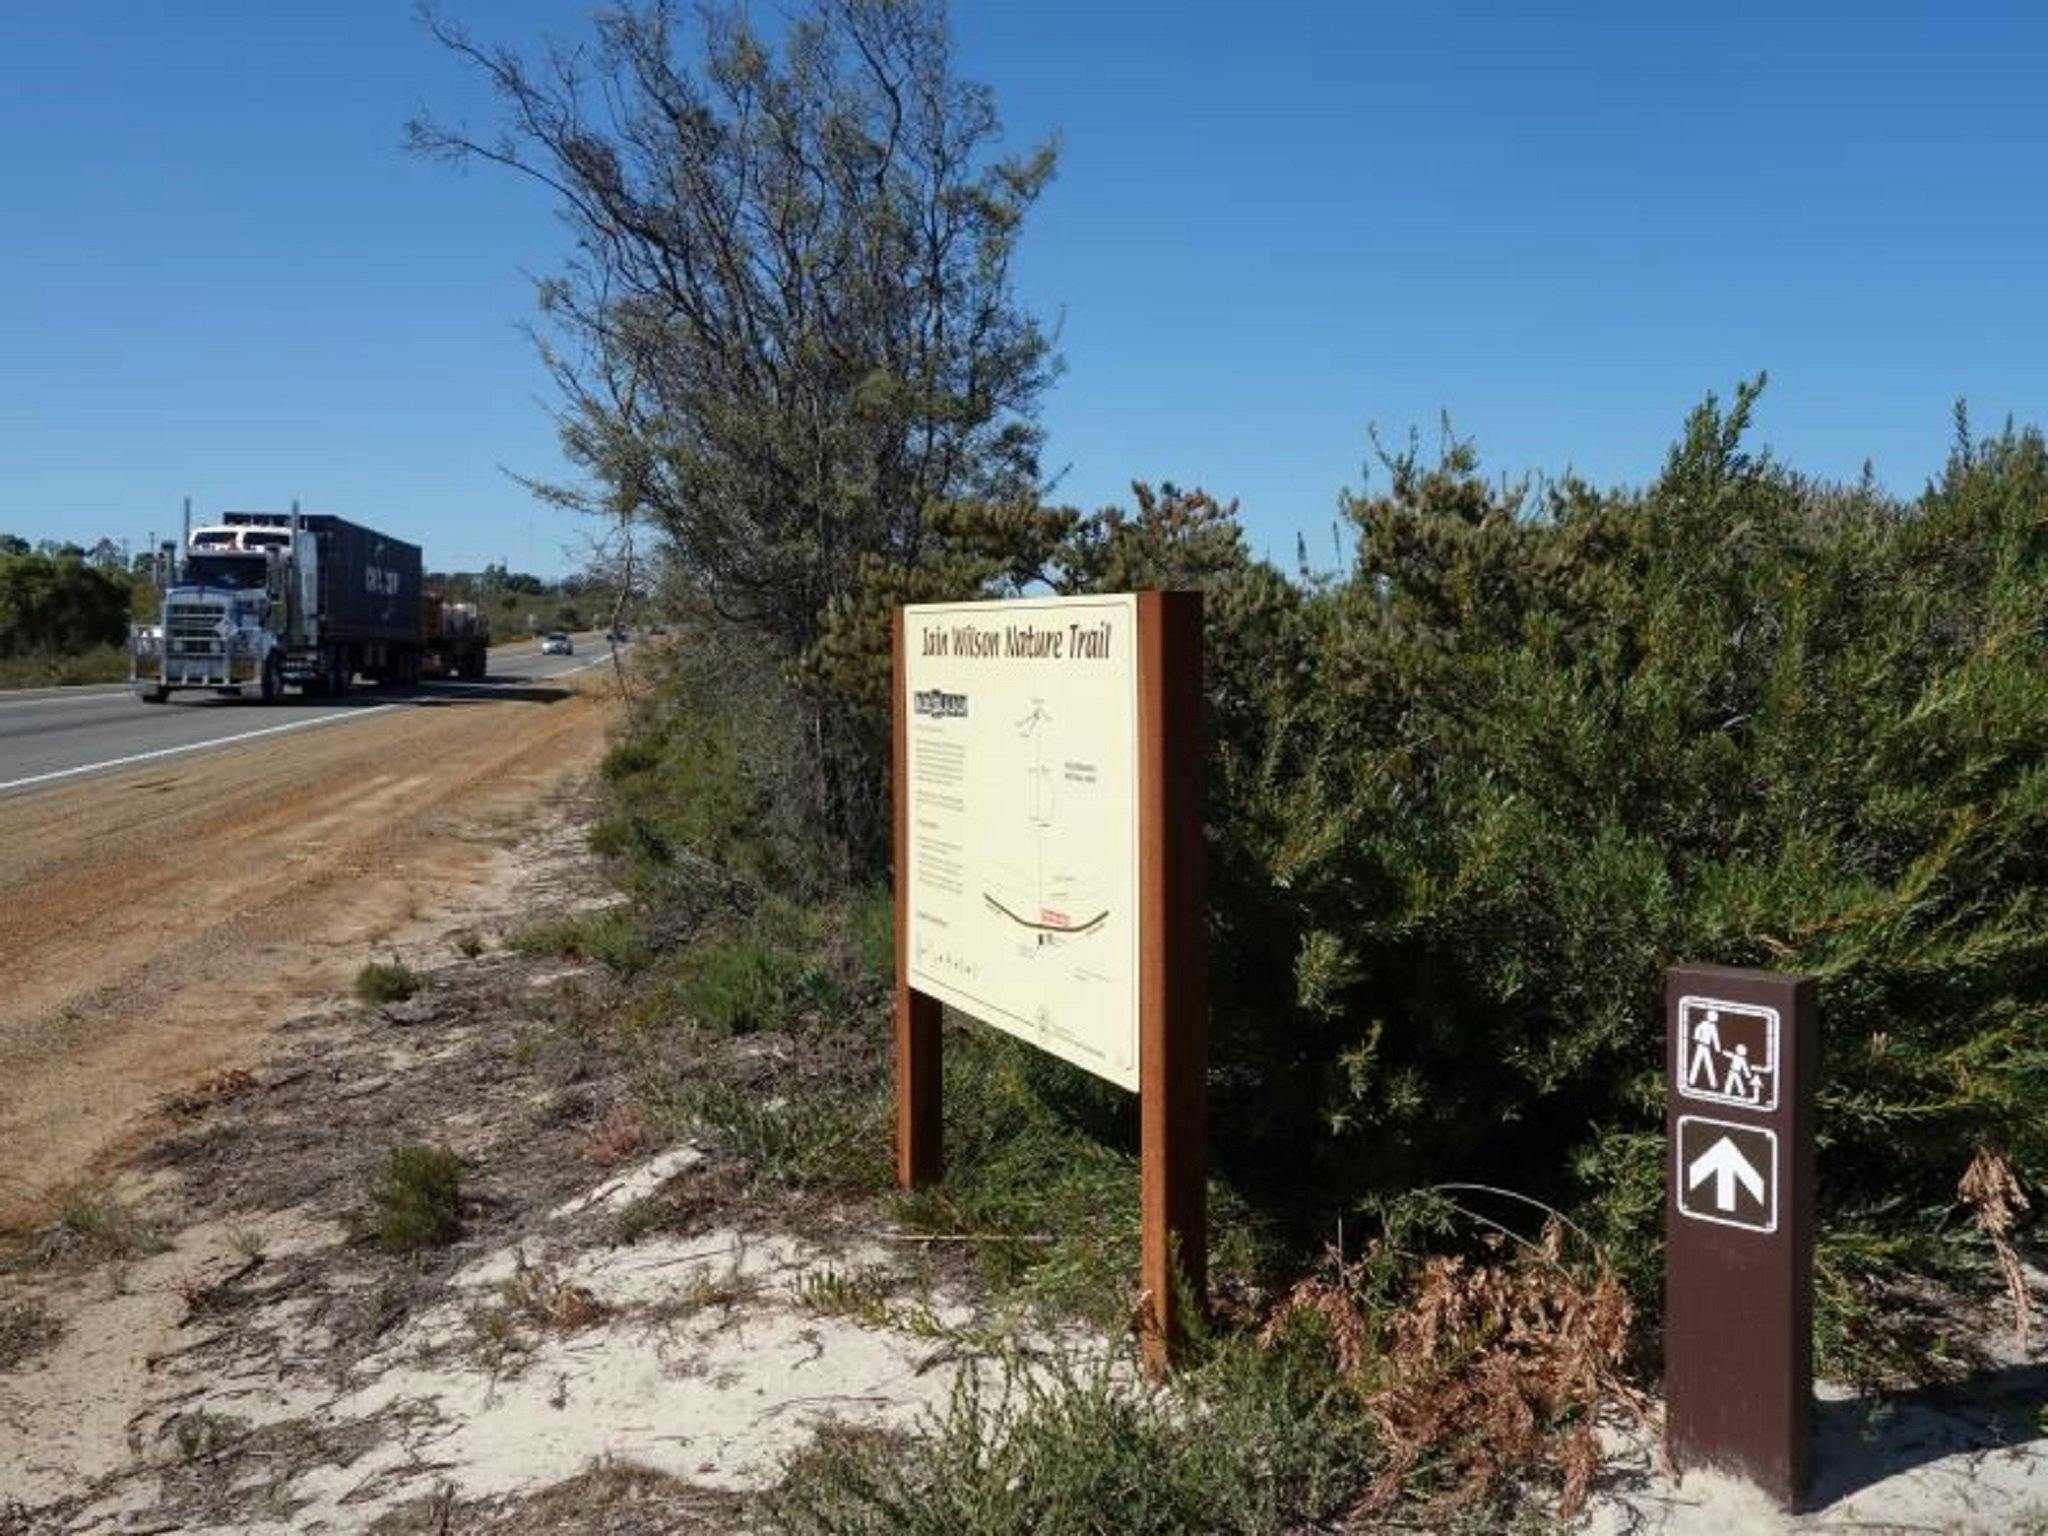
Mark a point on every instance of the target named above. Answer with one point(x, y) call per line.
point(1728, 1053)
point(1727, 1173)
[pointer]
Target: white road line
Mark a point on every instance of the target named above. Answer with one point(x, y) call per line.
point(196, 746)
point(268, 730)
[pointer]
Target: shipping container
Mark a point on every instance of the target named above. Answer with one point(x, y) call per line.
point(370, 583)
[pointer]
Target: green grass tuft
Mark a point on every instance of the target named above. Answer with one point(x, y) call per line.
point(382, 982)
point(416, 1199)
point(611, 936)
point(1250, 1440)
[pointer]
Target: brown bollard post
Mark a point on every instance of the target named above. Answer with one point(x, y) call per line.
point(920, 1124)
point(1738, 1280)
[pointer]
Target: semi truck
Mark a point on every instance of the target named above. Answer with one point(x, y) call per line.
point(263, 601)
point(458, 638)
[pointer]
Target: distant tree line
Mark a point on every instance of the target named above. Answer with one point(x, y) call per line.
point(59, 599)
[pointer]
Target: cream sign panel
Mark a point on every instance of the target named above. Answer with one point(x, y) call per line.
point(1023, 805)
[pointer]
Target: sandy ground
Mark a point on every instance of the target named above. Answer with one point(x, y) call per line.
point(620, 1340)
point(158, 923)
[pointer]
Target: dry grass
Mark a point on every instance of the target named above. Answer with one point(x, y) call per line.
point(538, 1295)
point(620, 1134)
point(1991, 1190)
point(214, 1089)
point(26, 1330)
point(91, 1227)
point(1485, 1372)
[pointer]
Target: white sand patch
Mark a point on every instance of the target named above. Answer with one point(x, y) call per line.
point(1910, 1462)
point(540, 981)
point(703, 1370)
point(622, 1189)
point(68, 1414)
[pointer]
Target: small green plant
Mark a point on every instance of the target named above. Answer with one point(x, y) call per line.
point(386, 982)
point(837, 1138)
point(416, 1199)
point(540, 1296)
point(1250, 1439)
point(202, 1436)
point(93, 1226)
point(610, 936)
point(707, 1288)
point(861, 1294)
point(384, 1306)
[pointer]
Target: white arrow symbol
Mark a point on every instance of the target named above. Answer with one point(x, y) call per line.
point(1724, 1163)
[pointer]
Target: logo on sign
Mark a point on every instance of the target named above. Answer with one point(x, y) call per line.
point(1728, 1053)
point(1727, 1173)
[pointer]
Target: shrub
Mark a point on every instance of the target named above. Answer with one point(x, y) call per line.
point(379, 982)
point(1250, 1440)
point(416, 1199)
point(1469, 798)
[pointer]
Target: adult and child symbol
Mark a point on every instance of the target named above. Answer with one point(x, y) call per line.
point(1744, 1079)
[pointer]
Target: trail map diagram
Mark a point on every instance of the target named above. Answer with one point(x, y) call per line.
point(1022, 800)
point(1050, 904)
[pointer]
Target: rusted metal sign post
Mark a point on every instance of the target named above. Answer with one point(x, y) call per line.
point(1047, 798)
point(1738, 1286)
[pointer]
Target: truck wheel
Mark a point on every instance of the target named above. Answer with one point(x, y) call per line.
point(338, 672)
point(273, 678)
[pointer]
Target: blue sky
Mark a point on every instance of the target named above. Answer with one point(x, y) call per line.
point(220, 276)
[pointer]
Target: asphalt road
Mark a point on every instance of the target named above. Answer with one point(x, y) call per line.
point(57, 736)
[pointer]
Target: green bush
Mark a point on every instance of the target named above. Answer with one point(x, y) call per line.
point(1536, 750)
point(386, 982)
point(416, 1199)
point(1469, 798)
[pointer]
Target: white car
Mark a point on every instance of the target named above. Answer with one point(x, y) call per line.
point(558, 644)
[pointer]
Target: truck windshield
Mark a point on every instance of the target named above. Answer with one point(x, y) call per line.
point(243, 572)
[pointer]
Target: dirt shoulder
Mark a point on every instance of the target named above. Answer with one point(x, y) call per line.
point(619, 1338)
point(163, 922)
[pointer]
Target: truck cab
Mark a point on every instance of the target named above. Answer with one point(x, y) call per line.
point(227, 618)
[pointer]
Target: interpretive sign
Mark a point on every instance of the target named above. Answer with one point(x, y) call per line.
point(1738, 1310)
point(1023, 807)
point(1048, 844)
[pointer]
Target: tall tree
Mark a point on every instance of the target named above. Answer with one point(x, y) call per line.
point(787, 330)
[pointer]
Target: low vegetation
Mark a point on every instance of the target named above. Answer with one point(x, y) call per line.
point(1465, 805)
point(415, 1199)
point(61, 669)
point(386, 981)
point(90, 1225)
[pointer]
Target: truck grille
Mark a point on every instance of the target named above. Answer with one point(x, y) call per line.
point(190, 629)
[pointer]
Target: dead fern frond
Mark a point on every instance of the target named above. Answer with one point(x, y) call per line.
point(1991, 1189)
point(1485, 1373)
